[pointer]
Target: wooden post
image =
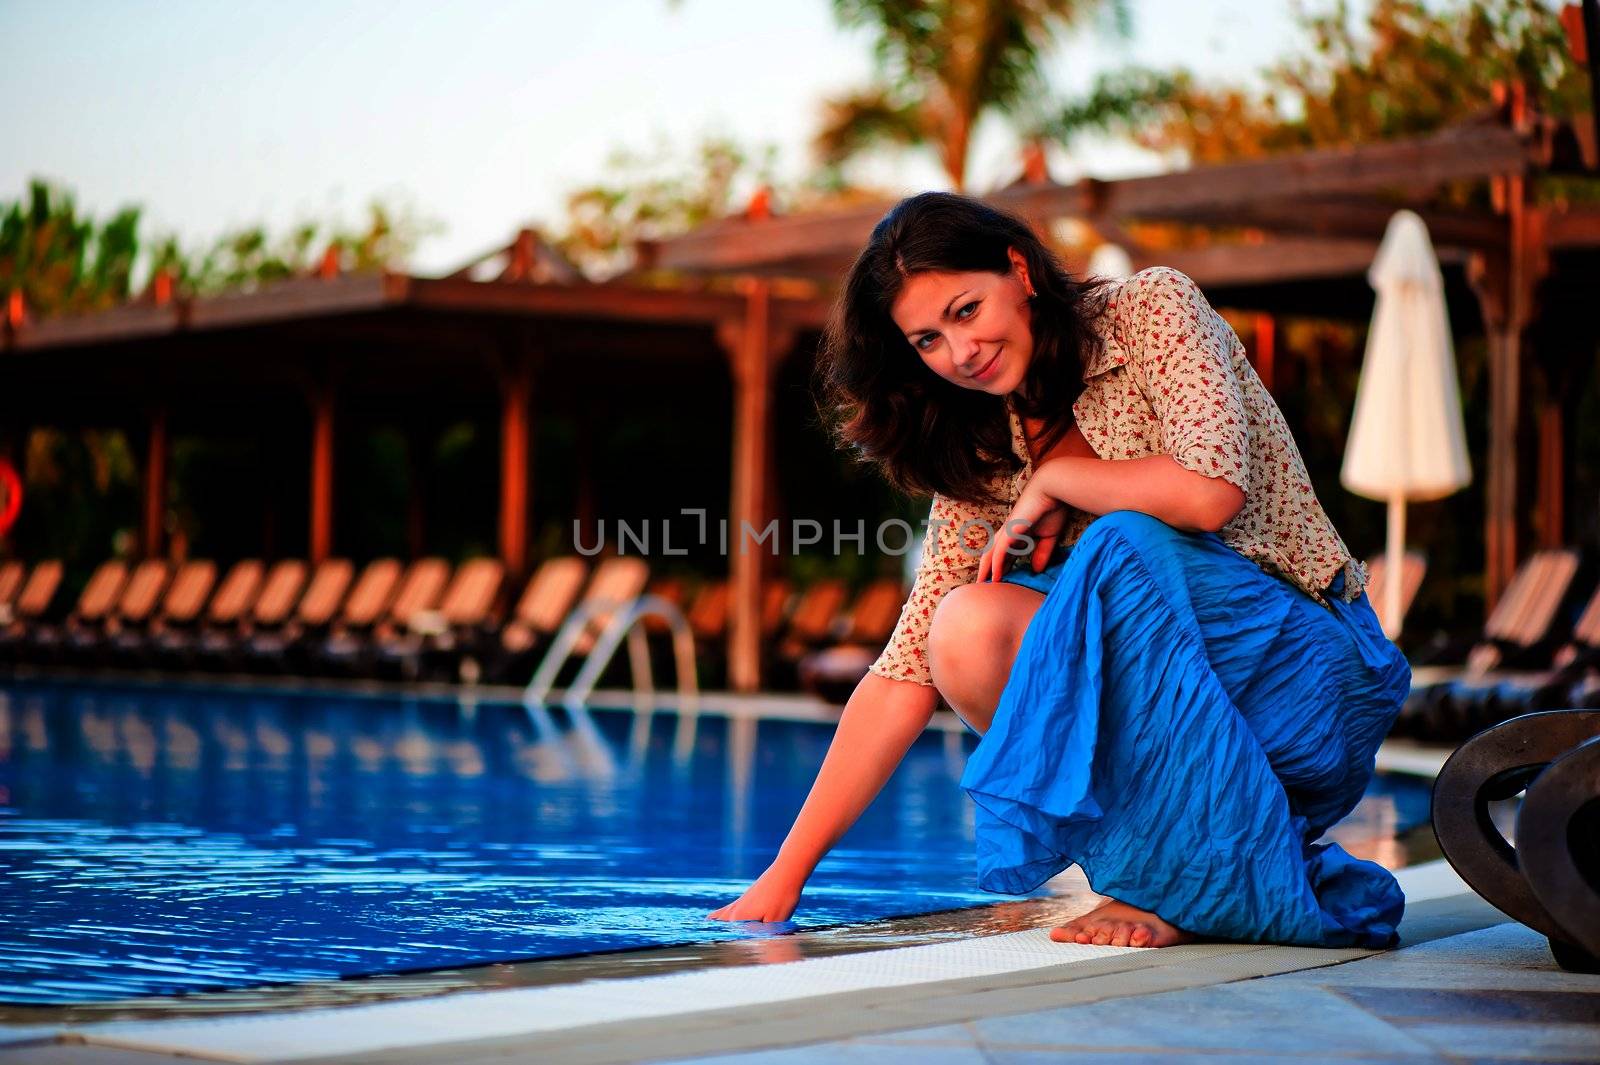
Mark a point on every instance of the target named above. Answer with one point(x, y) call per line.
point(516, 395)
point(747, 344)
point(321, 537)
point(1265, 328)
point(1552, 473)
point(1500, 521)
point(1505, 290)
point(153, 526)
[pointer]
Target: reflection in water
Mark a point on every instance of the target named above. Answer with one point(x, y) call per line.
point(154, 842)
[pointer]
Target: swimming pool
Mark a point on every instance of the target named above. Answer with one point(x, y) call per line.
point(156, 841)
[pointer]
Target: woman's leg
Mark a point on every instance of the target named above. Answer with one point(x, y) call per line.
point(974, 639)
point(976, 632)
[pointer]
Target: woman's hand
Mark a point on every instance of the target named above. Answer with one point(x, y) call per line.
point(881, 720)
point(1036, 515)
point(773, 897)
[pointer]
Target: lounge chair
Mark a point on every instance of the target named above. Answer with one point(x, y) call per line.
point(434, 642)
point(873, 615)
point(833, 672)
point(710, 612)
point(280, 591)
point(776, 598)
point(43, 643)
point(815, 617)
point(133, 607)
point(1585, 658)
point(1568, 681)
point(710, 609)
point(283, 645)
point(398, 599)
point(29, 607)
point(538, 613)
point(1413, 567)
point(1518, 633)
point(616, 582)
point(179, 608)
point(11, 574)
point(181, 644)
point(707, 614)
point(273, 608)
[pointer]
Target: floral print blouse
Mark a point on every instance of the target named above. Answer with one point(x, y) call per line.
point(1171, 378)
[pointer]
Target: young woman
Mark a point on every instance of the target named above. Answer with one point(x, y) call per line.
point(1165, 644)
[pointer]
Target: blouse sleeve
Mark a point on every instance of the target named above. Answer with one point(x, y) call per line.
point(957, 535)
point(1185, 352)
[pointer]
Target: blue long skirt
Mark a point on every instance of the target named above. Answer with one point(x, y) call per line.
point(1185, 726)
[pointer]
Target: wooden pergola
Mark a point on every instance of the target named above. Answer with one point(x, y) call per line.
point(1297, 233)
point(319, 347)
point(1288, 234)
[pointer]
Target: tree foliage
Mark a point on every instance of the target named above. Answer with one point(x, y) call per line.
point(250, 256)
point(62, 260)
point(943, 64)
point(663, 192)
point(651, 194)
point(1407, 68)
point(66, 261)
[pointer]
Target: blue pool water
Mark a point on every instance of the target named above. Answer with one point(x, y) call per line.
point(154, 842)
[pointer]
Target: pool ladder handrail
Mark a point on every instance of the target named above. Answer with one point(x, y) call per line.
point(624, 623)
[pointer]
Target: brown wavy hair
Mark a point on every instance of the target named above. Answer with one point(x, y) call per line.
point(925, 434)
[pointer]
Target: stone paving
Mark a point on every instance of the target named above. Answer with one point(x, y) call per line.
point(1492, 995)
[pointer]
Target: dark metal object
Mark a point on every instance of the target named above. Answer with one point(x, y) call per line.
point(1556, 842)
point(1497, 764)
point(1494, 765)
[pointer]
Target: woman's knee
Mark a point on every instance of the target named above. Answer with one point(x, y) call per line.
point(954, 622)
point(975, 633)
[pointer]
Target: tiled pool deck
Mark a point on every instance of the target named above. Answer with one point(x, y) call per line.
point(1465, 986)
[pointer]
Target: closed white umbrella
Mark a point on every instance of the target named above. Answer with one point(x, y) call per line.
point(1406, 439)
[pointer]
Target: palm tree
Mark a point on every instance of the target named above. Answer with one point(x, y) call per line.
point(941, 64)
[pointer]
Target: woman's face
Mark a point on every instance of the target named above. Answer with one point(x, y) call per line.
point(972, 329)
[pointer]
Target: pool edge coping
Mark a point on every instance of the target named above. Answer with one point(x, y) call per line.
point(820, 1018)
point(1444, 907)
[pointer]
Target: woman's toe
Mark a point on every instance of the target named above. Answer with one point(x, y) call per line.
point(1140, 936)
point(1121, 934)
point(1102, 936)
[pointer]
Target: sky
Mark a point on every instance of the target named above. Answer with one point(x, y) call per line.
point(479, 116)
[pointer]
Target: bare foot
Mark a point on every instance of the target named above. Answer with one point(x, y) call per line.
point(1116, 924)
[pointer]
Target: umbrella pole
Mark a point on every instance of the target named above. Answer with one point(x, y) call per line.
point(1394, 562)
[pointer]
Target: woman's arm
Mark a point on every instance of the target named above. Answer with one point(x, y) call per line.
point(1156, 485)
point(881, 720)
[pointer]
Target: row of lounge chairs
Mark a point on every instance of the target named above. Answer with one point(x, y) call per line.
point(394, 620)
point(1538, 650)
